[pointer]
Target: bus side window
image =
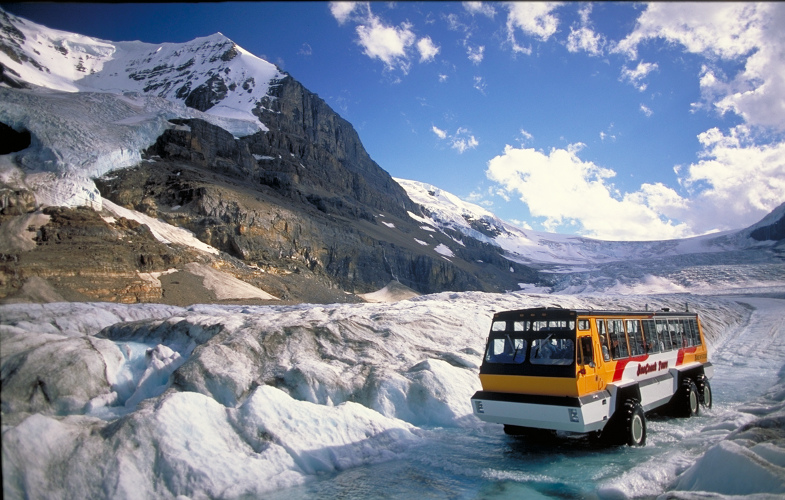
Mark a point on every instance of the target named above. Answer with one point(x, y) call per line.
point(650, 333)
point(637, 347)
point(603, 334)
point(676, 333)
point(587, 353)
point(665, 338)
point(619, 347)
point(695, 333)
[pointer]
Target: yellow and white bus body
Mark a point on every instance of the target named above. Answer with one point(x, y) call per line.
point(585, 371)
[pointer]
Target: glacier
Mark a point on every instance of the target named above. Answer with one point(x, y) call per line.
point(234, 401)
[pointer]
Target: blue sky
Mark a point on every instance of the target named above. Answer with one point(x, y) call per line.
point(611, 120)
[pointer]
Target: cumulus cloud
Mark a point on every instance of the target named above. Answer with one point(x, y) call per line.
point(392, 45)
point(735, 179)
point(483, 8)
point(386, 43)
point(341, 11)
point(533, 19)
point(565, 191)
point(427, 49)
point(636, 76)
point(584, 38)
point(742, 32)
point(646, 110)
point(476, 54)
point(462, 140)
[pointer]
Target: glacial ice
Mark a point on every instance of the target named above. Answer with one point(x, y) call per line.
point(226, 401)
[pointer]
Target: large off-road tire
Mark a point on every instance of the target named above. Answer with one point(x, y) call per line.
point(635, 424)
point(705, 392)
point(688, 402)
point(627, 426)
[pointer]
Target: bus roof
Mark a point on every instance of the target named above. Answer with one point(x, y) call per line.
point(557, 313)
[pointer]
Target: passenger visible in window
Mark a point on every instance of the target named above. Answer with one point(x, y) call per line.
point(604, 343)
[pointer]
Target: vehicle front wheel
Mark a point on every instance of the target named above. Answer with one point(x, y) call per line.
point(635, 424)
point(627, 426)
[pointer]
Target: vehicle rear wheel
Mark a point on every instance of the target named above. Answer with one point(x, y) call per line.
point(689, 405)
point(706, 396)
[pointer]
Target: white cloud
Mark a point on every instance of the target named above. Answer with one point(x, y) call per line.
point(479, 84)
point(737, 181)
point(386, 43)
point(636, 76)
point(483, 8)
point(442, 77)
point(585, 38)
point(646, 110)
point(525, 136)
point(427, 49)
point(534, 19)
point(476, 54)
point(463, 140)
point(341, 11)
point(565, 190)
point(742, 32)
point(393, 45)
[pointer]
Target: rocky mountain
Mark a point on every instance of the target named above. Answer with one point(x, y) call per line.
point(135, 172)
point(207, 137)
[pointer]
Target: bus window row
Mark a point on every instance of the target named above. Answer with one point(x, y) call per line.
point(622, 339)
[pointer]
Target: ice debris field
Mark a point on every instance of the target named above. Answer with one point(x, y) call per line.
point(106, 400)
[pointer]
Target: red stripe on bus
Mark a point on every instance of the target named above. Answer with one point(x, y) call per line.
point(621, 365)
point(682, 352)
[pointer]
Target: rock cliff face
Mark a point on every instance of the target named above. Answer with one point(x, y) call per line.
point(199, 177)
point(305, 131)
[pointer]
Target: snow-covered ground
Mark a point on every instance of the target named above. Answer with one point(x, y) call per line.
point(109, 400)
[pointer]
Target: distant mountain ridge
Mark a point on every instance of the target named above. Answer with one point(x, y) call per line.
point(205, 136)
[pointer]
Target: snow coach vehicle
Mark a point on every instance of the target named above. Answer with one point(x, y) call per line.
point(588, 371)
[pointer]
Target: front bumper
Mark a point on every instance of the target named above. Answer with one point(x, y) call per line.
point(585, 414)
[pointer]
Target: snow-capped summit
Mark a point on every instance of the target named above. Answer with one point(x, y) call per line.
point(210, 74)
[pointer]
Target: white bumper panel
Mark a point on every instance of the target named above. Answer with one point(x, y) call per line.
point(573, 414)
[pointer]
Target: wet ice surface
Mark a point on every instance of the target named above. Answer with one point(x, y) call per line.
point(482, 462)
point(350, 401)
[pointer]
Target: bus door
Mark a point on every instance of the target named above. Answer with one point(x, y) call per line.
point(589, 361)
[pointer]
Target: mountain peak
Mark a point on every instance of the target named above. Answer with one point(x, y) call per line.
point(212, 73)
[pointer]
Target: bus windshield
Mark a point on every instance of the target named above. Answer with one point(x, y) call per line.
point(538, 342)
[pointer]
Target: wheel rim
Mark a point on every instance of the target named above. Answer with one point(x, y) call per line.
point(693, 402)
point(707, 396)
point(637, 429)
